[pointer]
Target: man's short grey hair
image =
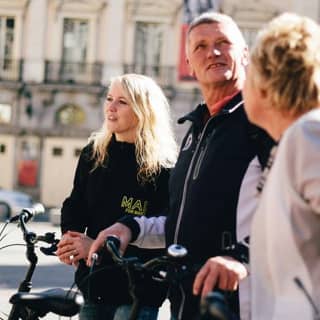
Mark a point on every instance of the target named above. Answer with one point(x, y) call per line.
point(215, 17)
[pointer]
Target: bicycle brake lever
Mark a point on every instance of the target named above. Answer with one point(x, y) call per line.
point(50, 251)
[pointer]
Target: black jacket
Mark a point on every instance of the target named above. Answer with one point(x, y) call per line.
point(205, 184)
point(98, 199)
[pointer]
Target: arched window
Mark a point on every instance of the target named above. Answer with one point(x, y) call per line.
point(70, 114)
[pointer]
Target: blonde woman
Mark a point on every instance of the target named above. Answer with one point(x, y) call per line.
point(124, 170)
point(282, 95)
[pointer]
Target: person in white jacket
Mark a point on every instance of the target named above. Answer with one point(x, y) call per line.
point(282, 95)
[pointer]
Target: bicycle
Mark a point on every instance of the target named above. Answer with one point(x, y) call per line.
point(27, 305)
point(171, 268)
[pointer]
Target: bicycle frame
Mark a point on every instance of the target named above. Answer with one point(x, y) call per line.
point(31, 306)
point(173, 261)
point(176, 269)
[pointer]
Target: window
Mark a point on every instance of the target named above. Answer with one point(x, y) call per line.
point(2, 148)
point(70, 114)
point(77, 152)
point(6, 42)
point(75, 40)
point(249, 35)
point(57, 151)
point(9, 68)
point(74, 51)
point(28, 163)
point(193, 8)
point(148, 46)
point(5, 113)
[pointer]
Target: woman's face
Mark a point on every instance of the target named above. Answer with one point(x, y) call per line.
point(119, 116)
point(261, 111)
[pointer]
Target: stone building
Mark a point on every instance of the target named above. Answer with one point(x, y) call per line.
point(56, 58)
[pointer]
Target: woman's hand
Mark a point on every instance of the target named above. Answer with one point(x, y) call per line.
point(220, 272)
point(73, 247)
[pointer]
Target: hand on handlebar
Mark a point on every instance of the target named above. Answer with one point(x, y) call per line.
point(119, 230)
point(224, 273)
point(73, 247)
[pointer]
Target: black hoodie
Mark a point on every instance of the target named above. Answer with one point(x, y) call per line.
point(98, 199)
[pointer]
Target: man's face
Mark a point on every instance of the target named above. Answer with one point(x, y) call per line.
point(215, 54)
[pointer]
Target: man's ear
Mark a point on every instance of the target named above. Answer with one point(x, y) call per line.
point(245, 56)
point(191, 71)
point(263, 93)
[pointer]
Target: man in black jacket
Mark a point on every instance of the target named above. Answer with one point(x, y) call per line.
point(215, 154)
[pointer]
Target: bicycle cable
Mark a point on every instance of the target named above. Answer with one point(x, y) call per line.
point(2, 230)
point(12, 245)
point(5, 314)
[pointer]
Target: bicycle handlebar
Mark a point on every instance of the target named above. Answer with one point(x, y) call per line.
point(32, 238)
point(166, 268)
point(27, 214)
point(214, 307)
point(174, 258)
point(28, 305)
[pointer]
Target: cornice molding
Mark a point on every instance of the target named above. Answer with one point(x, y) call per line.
point(15, 4)
point(255, 10)
point(165, 10)
point(88, 6)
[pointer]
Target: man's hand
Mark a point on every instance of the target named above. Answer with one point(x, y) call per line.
point(73, 247)
point(119, 230)
point(224, 273)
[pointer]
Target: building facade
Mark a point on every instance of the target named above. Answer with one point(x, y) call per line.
point(56, 59)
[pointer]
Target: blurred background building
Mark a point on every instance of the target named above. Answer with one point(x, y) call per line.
point(56, 59)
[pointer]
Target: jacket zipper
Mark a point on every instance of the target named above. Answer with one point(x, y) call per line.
point(204, 149)
point(175, 239)
point(199, 162)
point(182, 207)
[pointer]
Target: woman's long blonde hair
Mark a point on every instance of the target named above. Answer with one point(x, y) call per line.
point(155, 145)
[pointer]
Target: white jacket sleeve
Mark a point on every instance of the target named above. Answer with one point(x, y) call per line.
point(152, 232)
point(248, 199)
point(247, 204)
point(305, 164)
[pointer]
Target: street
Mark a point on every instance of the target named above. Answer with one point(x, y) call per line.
point(13, 264)
point(48, 274)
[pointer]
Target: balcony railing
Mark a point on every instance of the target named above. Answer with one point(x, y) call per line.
point(10, 70)
point(73, 72)
point(91, 73)
point(163, 75)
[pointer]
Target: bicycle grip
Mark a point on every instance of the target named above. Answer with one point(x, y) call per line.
point(113, 245)
point(215, 307)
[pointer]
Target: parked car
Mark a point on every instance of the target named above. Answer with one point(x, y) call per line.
point(55, 216)
point(12, 202)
